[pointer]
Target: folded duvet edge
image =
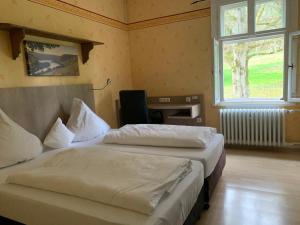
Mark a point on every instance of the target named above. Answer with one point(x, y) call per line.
point(37, 180)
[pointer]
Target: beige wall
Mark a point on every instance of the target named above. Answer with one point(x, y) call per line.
point(172, 59)
point(115, 9)
point(139, 10)
point(110, 60)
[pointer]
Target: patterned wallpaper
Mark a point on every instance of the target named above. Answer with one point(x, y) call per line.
point(173, 59)
point(139, 10)
point(110, 60)
point(115, 9)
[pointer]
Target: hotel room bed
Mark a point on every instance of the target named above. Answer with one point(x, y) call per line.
point(213, 157)
point(35, 207)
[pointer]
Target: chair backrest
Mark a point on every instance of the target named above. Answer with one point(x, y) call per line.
point(134, 108)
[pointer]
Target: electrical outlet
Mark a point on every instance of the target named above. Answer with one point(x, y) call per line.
point(199, 120)
point(187, 99)
point(164, 100)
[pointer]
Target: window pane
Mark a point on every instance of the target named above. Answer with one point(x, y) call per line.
point(234, 19)
point(254, 68)
point(270, 14)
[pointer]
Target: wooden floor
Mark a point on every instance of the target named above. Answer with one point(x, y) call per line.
point(257, 188)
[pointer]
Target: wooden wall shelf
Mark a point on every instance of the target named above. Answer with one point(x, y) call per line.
point(17, 35)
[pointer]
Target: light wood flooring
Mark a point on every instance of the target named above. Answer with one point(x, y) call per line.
point(258, 187)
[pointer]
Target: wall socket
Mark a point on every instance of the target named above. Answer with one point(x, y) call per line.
point(188, 99)
point(164, 100)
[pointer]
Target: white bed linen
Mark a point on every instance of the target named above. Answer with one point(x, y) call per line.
point(209, 156)
point(96, 141)
point(37, 207)
point(16, 144)
point(132, 181)
point(161, 135)
point(59, 136)
point(84, 123)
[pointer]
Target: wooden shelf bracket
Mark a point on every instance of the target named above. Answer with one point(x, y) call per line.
point(16, 35)
point(85, 51)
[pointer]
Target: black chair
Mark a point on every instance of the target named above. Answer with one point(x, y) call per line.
point(134, 108)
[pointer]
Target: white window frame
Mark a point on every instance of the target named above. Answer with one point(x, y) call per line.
point(216, 35)
point(291, 78)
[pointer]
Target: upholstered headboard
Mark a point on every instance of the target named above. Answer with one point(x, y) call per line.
point(37, 108)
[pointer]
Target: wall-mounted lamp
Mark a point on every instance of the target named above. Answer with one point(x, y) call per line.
point(108, 82)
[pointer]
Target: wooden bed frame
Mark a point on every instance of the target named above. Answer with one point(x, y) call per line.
point(45, 104)
point(211, 182)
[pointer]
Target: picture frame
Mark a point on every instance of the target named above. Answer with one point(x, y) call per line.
point(45, 59)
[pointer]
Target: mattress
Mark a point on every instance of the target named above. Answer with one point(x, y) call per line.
point(35, 207)
point(208, 156)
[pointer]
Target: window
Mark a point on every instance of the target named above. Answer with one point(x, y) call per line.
point(254, 68)
point(250, 53)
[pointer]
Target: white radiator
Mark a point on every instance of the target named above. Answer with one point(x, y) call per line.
point(257, 127)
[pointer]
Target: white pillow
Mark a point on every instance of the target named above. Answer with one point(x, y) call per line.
point(59, 136)
point(16, 144)
point(84, 123)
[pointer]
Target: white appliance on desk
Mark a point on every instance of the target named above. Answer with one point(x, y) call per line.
point(179, 114)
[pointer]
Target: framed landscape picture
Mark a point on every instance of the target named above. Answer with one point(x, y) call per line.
point(44, 59)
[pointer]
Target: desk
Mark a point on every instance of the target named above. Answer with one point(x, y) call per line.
point(179, 114)
point(183, 111)
point(179, 110)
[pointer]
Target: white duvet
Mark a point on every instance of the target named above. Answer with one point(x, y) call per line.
point(161, 135)
point(132, 181)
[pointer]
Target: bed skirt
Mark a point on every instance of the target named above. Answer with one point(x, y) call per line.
point(4, 221)
point(211, 182)
point(197, 209)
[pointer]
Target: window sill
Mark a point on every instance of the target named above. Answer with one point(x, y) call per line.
point(254, 103)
